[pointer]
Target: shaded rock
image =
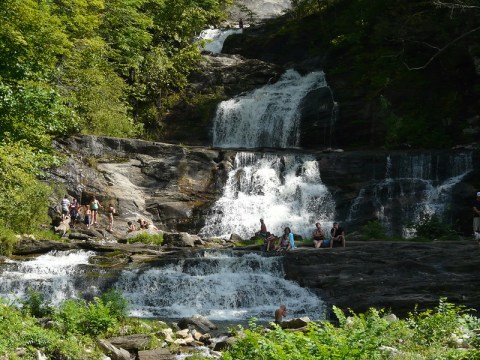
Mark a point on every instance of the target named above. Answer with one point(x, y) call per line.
point(112, 351)
point(130, 342)
point(296, 323)
point(156, 354)
point(224, 343)
point(182, 239)
point(78, 236)
point(30, 246)
point(389, 275)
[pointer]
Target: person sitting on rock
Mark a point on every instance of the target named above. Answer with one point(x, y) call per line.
point(318, 236)
point(270, 242)
point(142, 223)
point(263, 230)
point(338, 235)
point(131, 227)
point(287, 241)
point(280, 313)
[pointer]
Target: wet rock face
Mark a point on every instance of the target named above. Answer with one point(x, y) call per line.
point(166, 184)
point(390, 275)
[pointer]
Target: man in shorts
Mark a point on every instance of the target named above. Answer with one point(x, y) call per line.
point(338, 235)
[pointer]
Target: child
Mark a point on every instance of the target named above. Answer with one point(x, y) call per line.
point(111, 211)
point(88, 216)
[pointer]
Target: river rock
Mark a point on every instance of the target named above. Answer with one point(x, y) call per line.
point(235, 238)
point(182, 239)
point(29, 246)
point(224, 343)
point(130, 342)
point(112, 351)
point(198, 322)
point(295, 323)
point(156, 354)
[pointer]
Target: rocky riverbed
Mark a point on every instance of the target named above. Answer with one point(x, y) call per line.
point(395, 276)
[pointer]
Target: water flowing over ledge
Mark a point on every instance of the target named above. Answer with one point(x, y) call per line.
point(266, 117)
point(284, 190)
point(221, 285)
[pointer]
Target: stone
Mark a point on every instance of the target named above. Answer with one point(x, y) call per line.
point(182, 239)
point(198, 322)
point(130, 342)
point(167, 334)
point(156, 354)
point(112, 351)
point(30, 246)
point(183, 333)
point(295, 323)
point(235, 237)
point(224, 343)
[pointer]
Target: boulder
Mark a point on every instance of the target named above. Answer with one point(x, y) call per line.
point(130, 342)
point(156, 354)
point(182, 239)
point(295, 323)
point(112, 351)
point(78, 236)
point(30, 246)
point(224, 343)
point(235, 237)
point(198, 322)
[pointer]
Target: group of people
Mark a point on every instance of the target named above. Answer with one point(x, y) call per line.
point(72, 208)
point(142, 224)
point(287, 241)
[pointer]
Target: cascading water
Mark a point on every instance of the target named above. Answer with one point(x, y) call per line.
point(216, 38)
point(57, 275)
point(413, 186)
point(221, 286)
point(283, 190)
point(266, 117)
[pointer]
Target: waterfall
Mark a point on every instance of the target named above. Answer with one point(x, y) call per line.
point(216, 38)
point(414, 185)
point(266, 117)
point(57, 275)
point(218, 285)
point(283, 190)
point(221, 285)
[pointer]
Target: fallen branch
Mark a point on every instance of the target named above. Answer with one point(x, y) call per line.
point(442, 50)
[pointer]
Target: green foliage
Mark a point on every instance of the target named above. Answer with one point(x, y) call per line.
point(7, 241)
point(432, 227)
point(23, 199)
point(36, 306)
point(374, 230)
point(373, 335)
point(116, 303)
point(147, 239)
point(87, 318)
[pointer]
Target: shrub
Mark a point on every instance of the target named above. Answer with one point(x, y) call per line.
point(373, 335)
point(433, 227)
point(374, 230)
point(147, 239)
point(116, 303)
point(35, 305)
point(7, 241)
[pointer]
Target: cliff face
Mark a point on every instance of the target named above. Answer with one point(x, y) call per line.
point(389, 275)
point(176, 186)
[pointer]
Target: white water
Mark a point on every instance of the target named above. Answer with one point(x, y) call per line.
point(283, 190)
point(413, 187)
point(219, 286)
point(215, 38)
point(265, 117)
point(53, 274)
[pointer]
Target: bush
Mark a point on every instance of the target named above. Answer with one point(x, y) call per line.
point(431, 334)
point(116, 303)
point(374, 230)
point(35, 305)
point(431, 227)
point(7, 241)
point(147, 239)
